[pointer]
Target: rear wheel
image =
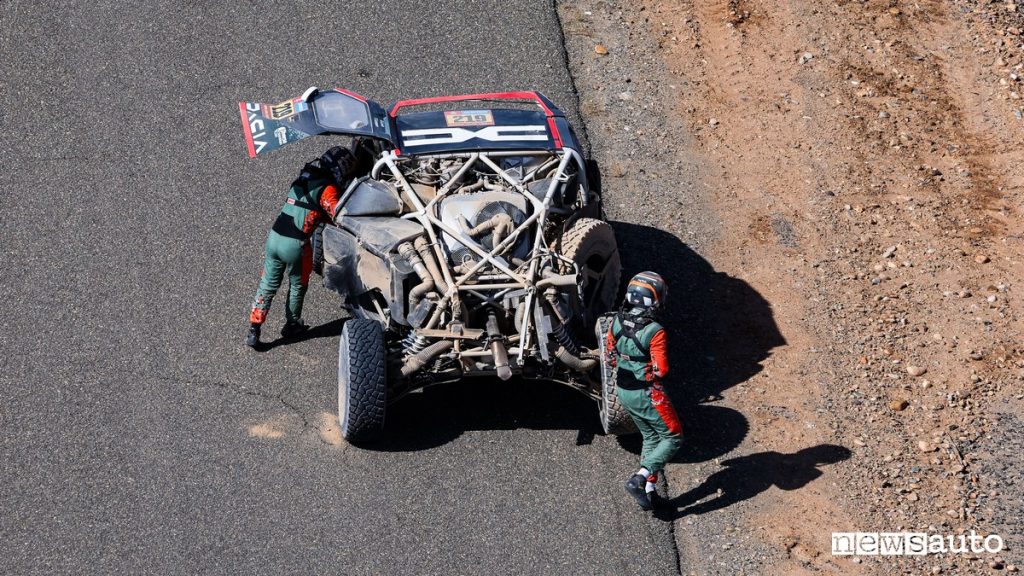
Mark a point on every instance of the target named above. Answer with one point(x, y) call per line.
point(615, 419)
point(590, 243)
point(362, 380)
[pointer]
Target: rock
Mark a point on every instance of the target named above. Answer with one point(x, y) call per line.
point(899, 405)
point(924, 446)
point(889, 252)
point(805, 58)
point(913, 497)
point(713, 121)
point(601, 50)
point(981, 259)
point(1011, 568)
point(995, 565)
point(625, 96)
point(916, 371)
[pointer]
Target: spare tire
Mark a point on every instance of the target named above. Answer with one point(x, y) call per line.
point(615, 419)
point(362, 380)
point(590, 243)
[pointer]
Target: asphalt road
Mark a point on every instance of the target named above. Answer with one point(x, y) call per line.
point(138, 434)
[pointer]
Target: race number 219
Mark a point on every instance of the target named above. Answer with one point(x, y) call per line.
point(469, 118)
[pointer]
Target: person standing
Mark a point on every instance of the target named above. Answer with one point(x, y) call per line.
point(312, 199)
point(638, 347)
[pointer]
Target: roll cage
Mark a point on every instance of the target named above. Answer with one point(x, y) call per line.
point(535, 273)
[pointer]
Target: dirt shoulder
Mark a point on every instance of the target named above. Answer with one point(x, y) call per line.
point(851, 176)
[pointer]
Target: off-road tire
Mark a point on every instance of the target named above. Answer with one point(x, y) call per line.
point(590, 243)
point(362, 380)
point(317, 245)
point(615, 419)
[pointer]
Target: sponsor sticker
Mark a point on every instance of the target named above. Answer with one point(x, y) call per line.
point(285, 109)
point(458, 118)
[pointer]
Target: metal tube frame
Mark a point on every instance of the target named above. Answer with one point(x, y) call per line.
point(426, 216)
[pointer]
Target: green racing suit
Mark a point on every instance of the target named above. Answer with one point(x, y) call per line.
point(311, 200)
point(639, 348)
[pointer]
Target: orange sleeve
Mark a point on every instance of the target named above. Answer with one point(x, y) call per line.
point(329, 200)
point(609, 342)
point(659, 354)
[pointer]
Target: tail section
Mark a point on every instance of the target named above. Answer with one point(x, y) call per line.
point(270, 126)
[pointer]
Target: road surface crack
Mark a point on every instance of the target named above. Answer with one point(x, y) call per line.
point(278, 398)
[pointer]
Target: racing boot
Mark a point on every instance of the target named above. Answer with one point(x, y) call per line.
point(253, 338)
point(293, 328)
point(635, 486)
point(658, 501)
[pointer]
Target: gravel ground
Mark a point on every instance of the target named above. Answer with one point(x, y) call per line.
point(849, 173)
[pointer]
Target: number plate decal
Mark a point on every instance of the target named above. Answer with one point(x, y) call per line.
point(459, 118)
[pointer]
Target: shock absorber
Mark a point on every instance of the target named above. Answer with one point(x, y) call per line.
point(565, 338)
point(414, 343)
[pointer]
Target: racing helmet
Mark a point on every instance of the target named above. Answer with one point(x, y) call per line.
point(338, 162)
point(647, 290)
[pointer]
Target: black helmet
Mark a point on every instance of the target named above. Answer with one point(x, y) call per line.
point(338, 162)
point(647, 290)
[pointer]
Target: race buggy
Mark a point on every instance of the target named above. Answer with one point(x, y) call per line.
point(473, 247)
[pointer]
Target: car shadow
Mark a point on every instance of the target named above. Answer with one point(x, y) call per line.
point(744, 477)
point(720, 330)
point(326, 330)
point(440, 414)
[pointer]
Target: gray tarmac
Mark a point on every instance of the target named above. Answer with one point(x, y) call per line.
point(138, 434)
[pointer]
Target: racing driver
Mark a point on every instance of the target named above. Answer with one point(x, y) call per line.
point(312, 199)
point(637, 344)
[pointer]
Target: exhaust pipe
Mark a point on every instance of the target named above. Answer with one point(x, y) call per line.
point(498, 348)
point(576, 363)
point(425, 252)
point(427, 282)
point(501, 359)
point(425, 356)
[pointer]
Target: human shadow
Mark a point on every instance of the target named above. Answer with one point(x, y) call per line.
point(747, 476)
point(326, 330)
point(720, 330)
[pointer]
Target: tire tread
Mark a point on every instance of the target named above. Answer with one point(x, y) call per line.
point(366, 385)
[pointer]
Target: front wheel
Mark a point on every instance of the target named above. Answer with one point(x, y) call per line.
point(362, 380)
point(615, 419)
